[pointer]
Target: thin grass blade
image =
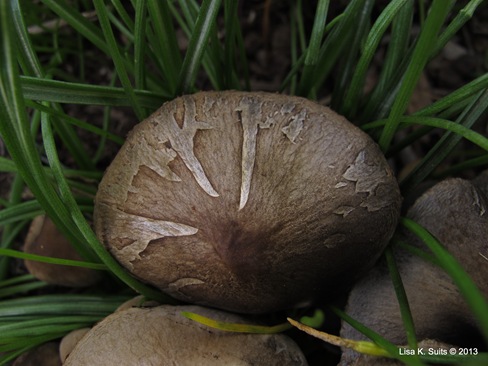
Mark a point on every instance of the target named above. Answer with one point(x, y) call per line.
point(78, 93)
point(346, 68)
point(313, 50)
point(17, 136)
point(421, 54)
point(370, 47)
point(114, 52)
point(82, 225)
point(165, 44)
point(445, 145)
point(198, 42)
point(476, 301)
point(402, 299)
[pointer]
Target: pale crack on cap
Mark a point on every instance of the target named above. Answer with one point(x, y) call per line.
point(251, 120)
point(142, 230)
point(181, 140)
point(369, 175)
point(293, 129)
point(478, 202)
point(343, 210)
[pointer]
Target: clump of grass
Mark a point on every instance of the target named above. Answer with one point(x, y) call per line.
point(149, 67)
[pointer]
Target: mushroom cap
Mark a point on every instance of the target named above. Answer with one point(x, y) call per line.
point(162, 336)
point(250, 202)
point(455, 212)
point(45, 239)
point(44, 355)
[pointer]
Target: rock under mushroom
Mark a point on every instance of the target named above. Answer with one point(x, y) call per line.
point(250, 202)
point(162, 336)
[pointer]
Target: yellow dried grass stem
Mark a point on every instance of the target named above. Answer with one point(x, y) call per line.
point(368, 348)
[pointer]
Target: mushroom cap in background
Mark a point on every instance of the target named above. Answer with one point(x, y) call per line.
point(455, 212)
point(45, 239)
point(44, 355)
point(162, 336)
point(249, 202)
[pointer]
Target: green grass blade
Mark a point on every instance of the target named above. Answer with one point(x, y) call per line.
point(9, 232)
point(23, 345)
point(349, 57)
point(459, 95)
point(444, 146)
point(117, 57)
point(165, 44)
point(370, 47)
point(465, 284)
point(7, 165)
point(87, 304)
point(74, 121)
point(313, 50)
point(17, 136)
point(41, 330)
point(21, 289)
point(20, 211)
point(124, 15)
point(198, 42)
point(140, 44)
point(17, 280)
point(402, 299)
point(417, 252)
point(334, 44)
point(122, 28)
point(245, 74)
point(26, 49)
point(8, 239)
point(213, 59)
point(478, 162)
point(461, 18)
point(397, 49)
point(28, 321)
point(78, 93)
point(378, 339)
point(420, 56)
point(298, 64)
point(40, 258)
point(82, 225)
point(7, 328)
point(18, 285)
point(78, 22)
point(467, 133)
point(296, 30)
point(231, 22)
point(442, 110)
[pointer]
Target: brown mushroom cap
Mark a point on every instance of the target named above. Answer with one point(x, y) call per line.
point(43, 355)
point(45, 239)
point(250, 202)
point(455, 212)
point(162, 336)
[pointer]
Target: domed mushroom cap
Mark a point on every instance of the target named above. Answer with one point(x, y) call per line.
point(250, 202)
point(162, 336)
point(455, 212)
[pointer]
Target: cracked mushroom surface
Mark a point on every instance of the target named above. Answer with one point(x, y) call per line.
point(250, 202)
